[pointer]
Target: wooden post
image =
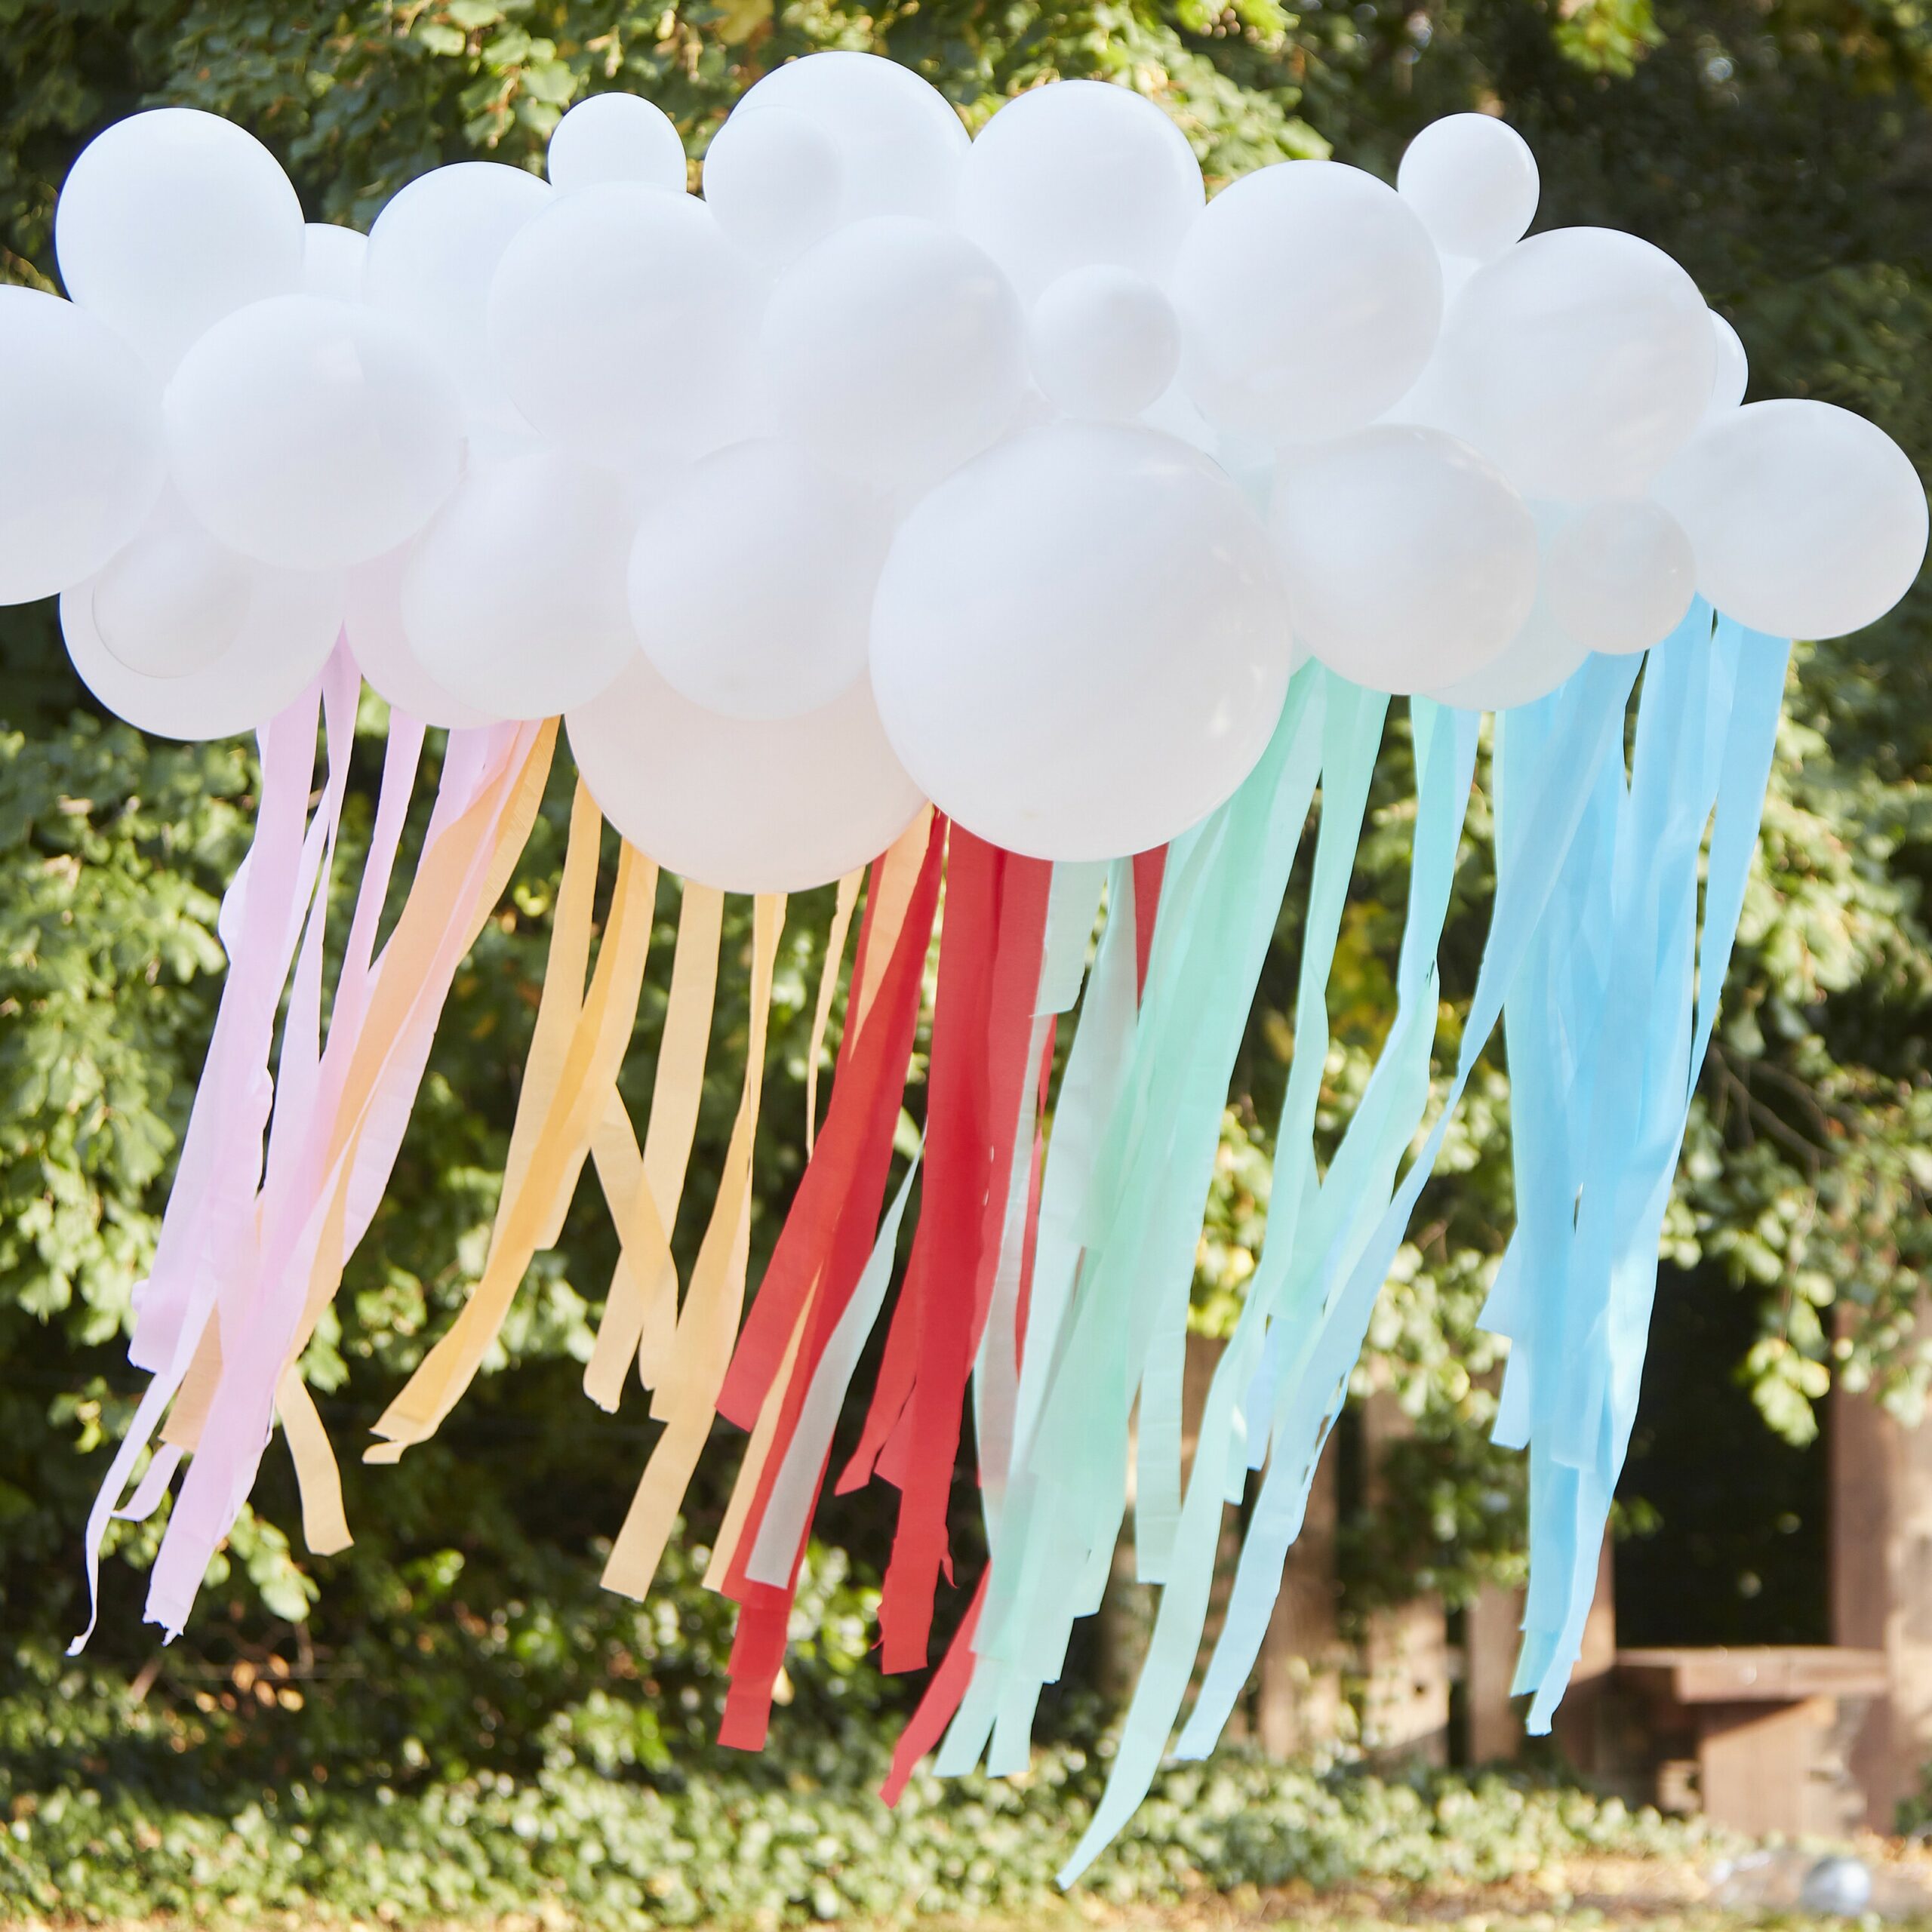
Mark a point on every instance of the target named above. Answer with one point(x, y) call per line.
point(1405, 1712)
point(1298, 1708)
point(1579, 1721)
point(1492, 1636)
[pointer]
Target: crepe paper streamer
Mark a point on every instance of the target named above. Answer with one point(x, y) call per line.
point(824, 1250)
point(644, 1189)
point(990, 955)
point(360, 1120)
point(828, 986)
point(572, 1072)
point(686, 1399)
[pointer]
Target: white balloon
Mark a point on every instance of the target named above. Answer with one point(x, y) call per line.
point(743, 805)
point(1733, 375)
point(1541, 656)
point(291, 623)
point(1116, 675)
point(894, 350)
point(373, 622)
point(311, 434)
point(775, 181)
point(901, 146)
point(751, 584)
point(433, 253)
point(514, 601)
point(1578, 361)
point(1078, 172)
point(173, 601)
point(1620, 576)
point(622, 322)
point(1806, 521)
point(1410, 562)
point(1104, 342)
point(81, 457)
point(1310, 296)
point(171, 220)
point(616, 137)
point(332, 261)
point(1473, 180)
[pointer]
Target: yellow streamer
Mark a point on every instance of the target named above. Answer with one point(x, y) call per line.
point(894, 875)
point(686, 1398)
point(828, 985)
point(324, 1523)
point(644, 1190)
point(577, 1106)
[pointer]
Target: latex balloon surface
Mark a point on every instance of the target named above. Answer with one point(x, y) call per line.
point(746, 805)
point(1620, 576)
point(1103, 342)
point(1115, 678)
point(616, 137)
point(173, 601)
point(775, 181)
point(1473, 180)
point(1410, 560)
point(752, 580)
point(81, 457)
point(332, 261)
point(1310, 296)
point(1531, 665)
point(372, 621)
point(312, 434)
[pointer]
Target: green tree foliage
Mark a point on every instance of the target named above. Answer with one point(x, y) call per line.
point(1780, 148)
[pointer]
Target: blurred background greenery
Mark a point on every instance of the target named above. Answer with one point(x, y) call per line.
point(1781, 148)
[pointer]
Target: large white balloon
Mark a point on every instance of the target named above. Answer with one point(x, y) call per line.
point(1620, 576)
point(81, 458)
point(332, 261)
point(433, 253)
point(1310, 295)
point(1540, 656)
point(901, 147)
point(291, 624)
point(373, 622)
point(172, 600)
point(752, 582)
point(514, 601)
point(894, 350)
point(1806, 521)
point(170, 220)
point(1732, 376)
point(1410, 560)
point(1075, 173)
point(1578, 361)
point(1473, 180)
point(312, 434)
point(616, 137)
point(744, 805)
point(623, 323)
point(1103, 342)
point(1118, 673)
point(775, 181)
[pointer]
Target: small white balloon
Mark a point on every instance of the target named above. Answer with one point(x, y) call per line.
point(901, 146)
point(1620, 576)
point(775, 181)
point(1808, 522)
point(1473, 180)
point(1310, 296)
point(616, 137)
point(514, 601)
point(1578, 361)
point(1104, 342)
point(173, 601)
point(1410, 560)
point(80, 457)
point(751, 583)
point(312, 434)
point(1118, 673)
point(623, 322)
point(171, 220)
point(433, 253)
point(894, 350)
point(1541, 656)
point(332, 260)
point(1733, 375)
point(1078, 172)
point(291, 625)
point(744, 805)
point(372, 621)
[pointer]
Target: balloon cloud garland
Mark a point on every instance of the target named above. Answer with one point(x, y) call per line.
point(999, 520)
